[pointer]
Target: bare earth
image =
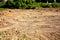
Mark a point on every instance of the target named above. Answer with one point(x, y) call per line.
point(32, 24)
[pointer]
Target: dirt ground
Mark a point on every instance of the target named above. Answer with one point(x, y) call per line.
point(30, 24)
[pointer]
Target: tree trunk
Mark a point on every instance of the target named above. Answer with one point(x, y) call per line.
point(4, 0)
point(47, 1)
point(54, 0)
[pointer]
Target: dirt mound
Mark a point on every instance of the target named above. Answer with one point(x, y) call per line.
point(30, 24)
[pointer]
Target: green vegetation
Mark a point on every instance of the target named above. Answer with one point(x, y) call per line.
point(56, 5)
point(2, 4)
point(28, 4)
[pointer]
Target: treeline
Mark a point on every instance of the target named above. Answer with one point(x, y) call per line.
point(28, 4)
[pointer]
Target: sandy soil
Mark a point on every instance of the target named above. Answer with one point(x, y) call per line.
point(30, 24)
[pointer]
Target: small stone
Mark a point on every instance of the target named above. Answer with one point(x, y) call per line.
point(9, 10)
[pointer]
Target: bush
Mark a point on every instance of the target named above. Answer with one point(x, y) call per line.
point(46, 5)
point(28, 4)
point(9, 4)
point(56, 5)
point(31, 6)
point(18, 3)
point(25, 4)
point(38, 5)
point(2, 4)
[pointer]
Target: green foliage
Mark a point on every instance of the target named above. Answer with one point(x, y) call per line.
point(2, 4)
point(18, 3)
point(56, 5)
point(9, 4)
point(24, 3)
point(46, 5)
point(28, 4)
point(38, 5)
point(31, 5)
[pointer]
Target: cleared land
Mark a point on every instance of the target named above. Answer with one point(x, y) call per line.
point(32, 24)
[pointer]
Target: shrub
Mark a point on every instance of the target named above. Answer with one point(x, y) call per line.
point(2, 4)
point(25, 4)
point(9, 4)
point(46, 5)
point(56, 5)
point(18, 3)
point(28, 4)
point(31, 6)
point(38, 5)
